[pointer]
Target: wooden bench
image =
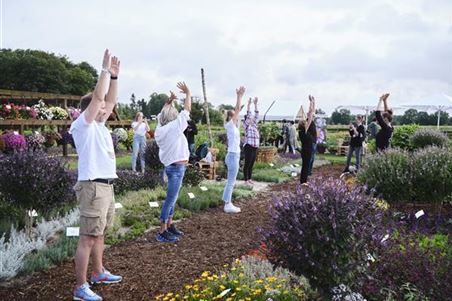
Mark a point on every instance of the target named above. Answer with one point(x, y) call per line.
point(209, 169)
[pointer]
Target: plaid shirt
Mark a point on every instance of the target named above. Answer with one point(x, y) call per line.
point(252, 136)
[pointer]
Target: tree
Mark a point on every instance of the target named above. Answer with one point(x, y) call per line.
point(39, 71)
point(319, 112)
point(410, 117)
point(342, 116)
point(156, 102)
point(224, 107)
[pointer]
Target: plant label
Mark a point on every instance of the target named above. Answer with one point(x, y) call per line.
point(36, 132)
point(191, 195)
point(203, 188)
point(223, 293)
point(291, 165)
point(385, 238)
point(72, 231)
point(294, 174)
point(297, 165)
point(271, 164)
point(153, 204)
point(118, 205)
point(32, 213)
point(370, 258)
point(419, 213)
point(16, 133)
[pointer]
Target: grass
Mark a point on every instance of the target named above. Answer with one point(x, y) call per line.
point(210, 198)
point(340, 160)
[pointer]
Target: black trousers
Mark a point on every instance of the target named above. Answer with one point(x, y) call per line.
point(306, 155)
point(250, 158)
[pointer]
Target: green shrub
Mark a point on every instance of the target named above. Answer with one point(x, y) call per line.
point(422, 176)
point(389, 173)
point(431, 174)
point(53, 254)
point(402, 134)
point(193, 176)
point(428, 137)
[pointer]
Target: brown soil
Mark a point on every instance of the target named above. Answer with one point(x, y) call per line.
point(212, 238)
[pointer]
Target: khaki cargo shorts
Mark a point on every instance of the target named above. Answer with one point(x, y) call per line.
point(97, 207)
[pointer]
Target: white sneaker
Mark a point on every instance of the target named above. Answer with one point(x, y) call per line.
point(230, 208)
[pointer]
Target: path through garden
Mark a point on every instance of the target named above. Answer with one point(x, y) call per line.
point(212, 239)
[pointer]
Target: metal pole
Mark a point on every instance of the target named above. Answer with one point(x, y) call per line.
point(268, 109)
point(206, 107)
point(439, 117)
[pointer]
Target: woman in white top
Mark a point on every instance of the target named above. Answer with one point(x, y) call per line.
point(174, 154)
point(232, 159)
point(140, 126)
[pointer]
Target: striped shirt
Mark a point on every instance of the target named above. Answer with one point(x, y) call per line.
point(252, 136)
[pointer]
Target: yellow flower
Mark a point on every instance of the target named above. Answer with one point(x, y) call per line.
point(222, 287)
point(188, 286)
point(271, 279)
point(205, 274)
point(259, 281)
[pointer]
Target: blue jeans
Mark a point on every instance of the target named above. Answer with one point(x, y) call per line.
point(191, 148)
point(175, 173)
point(232, 161)
point(311, 163)
point(357, 150)
point(138, 146)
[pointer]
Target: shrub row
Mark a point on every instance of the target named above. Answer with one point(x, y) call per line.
point(422, 176)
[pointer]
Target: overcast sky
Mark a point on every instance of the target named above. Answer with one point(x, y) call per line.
point(344, 52)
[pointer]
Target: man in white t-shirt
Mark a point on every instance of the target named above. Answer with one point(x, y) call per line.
point(96, 171)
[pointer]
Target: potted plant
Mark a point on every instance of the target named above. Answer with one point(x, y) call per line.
point(269, 132)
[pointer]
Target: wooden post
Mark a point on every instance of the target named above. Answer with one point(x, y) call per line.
point(206, 108)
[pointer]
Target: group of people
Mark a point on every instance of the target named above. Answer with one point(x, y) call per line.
point(175, 137)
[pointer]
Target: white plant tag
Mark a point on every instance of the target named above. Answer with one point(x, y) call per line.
point(203, 188)
point(419, 213)
point(291, 165)
point(271, 164)
point(36, 132)
point(153, 204)
point(385, 238)
point(72, 231)
point(370, 258)
point(297, 165)
point(294, 174)
point(32, 213)
point(191, 195)
point(223, 293)
point(118, 205)
point(16, 133)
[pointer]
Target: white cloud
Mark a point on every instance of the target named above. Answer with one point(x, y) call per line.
point(344, 52)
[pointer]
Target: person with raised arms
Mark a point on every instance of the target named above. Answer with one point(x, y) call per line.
point(307, 133)
point(252, 140)
point(96, 172)
point(384, 118)
point(232, 159)
point(140, 127)
point(174, 154)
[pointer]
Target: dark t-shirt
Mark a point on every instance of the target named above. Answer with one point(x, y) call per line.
point(191, 131)
point(384, 134)
point(307, 138)
point(357, 141)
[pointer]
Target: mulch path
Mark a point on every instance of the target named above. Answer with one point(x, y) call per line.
point(212, 239)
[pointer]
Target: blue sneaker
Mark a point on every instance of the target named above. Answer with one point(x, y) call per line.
point(105, 277)
point(173, 230)
point(84, 293)
point(166, 237)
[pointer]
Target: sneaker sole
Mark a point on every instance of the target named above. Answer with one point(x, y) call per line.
point(105, 282)
point(80, 299)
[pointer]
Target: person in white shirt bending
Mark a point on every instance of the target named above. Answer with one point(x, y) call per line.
point(174, 154)
point(96, 171)
point(232, 159)
point(140, 127)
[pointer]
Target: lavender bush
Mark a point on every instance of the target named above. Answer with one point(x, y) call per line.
point(421, 176)
point(389, 173)
point(129, 181)
point(34, 181)
point(325, 232)
point(428, 137)
point(432, 174)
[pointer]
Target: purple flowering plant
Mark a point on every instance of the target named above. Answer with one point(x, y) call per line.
point(14, 141)
point(325, 231)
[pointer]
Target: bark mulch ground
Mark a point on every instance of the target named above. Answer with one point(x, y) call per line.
point(212, 239)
